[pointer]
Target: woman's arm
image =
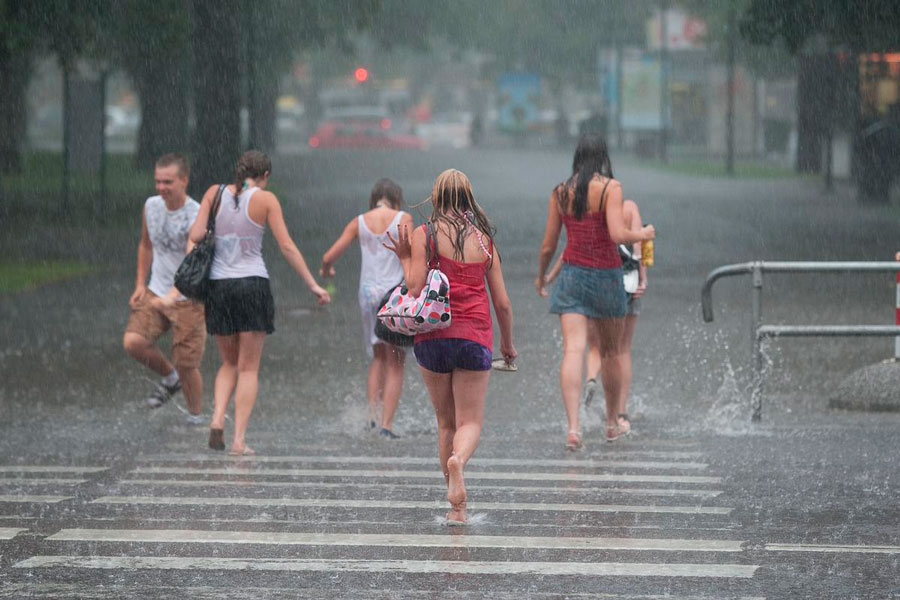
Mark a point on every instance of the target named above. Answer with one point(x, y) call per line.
point(615, 222)
point(502, 308)
point(548, 246)
point(275, 219)
point(634, 223)
point(198, 229)
point(351, 232)
point(411, 252)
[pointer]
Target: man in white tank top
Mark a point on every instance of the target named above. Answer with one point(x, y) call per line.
point(157, 306)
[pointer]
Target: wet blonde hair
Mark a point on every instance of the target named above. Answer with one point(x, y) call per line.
point(453, 203)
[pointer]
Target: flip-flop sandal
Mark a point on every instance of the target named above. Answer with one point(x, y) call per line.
point(217, 439)
point(500, 364)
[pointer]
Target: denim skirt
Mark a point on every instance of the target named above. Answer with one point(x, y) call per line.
point(594, 293)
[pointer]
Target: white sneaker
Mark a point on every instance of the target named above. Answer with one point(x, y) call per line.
point(162, 393)
point(195, 419)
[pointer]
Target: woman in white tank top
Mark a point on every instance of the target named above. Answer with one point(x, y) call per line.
point(239, 308)
point(380, 271)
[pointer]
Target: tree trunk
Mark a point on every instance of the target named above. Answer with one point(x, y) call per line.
point(217, 91)
point(15, 71)
point(263, 113)
point(809, 115)
point(164, 91)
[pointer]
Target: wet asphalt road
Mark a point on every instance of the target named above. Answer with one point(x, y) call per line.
point(102, 498)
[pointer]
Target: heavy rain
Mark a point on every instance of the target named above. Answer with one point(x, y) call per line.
point(667, 366)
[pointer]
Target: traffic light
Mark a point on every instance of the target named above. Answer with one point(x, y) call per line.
point(361, 74)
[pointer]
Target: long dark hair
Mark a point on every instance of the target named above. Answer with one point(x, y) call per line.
point(252, 164)
point(591, 158)
point(386, 189)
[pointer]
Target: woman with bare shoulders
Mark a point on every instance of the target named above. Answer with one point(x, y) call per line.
point(379, 272)
point(240, 310)
point(456, 361)
point(634, 296)
point(589, 296)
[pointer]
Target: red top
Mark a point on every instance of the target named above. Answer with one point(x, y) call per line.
point(470, 311)
point(588, 243)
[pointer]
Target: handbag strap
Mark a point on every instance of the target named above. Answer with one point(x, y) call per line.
point(211, 219)
point(431, 240)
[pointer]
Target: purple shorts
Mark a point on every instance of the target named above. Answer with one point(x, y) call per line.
point(443, 355)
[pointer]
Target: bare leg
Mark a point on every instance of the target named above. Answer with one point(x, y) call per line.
point(574, 332)
point(226, 377)
point(611, 373)
point(393, 384)
point(592, 361)
point(145, 352)
point(192, 387)
point(249, 355)
point(625, 353)
point(441, 393)
point(469, 390)
point(375, 382)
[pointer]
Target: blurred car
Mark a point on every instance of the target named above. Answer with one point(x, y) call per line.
point(449, 130)
point(362, 134)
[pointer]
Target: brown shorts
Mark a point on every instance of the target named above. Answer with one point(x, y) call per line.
point(188, 326)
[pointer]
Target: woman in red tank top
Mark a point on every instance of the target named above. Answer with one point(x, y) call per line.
point(589, 296)
point(456, 361)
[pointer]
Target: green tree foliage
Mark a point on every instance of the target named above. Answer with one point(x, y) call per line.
point(152, 42)
point(862, 25)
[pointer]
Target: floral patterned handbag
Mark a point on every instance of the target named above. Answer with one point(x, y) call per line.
point(431, 309)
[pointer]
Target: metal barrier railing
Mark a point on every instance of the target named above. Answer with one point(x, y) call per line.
point(760, 331)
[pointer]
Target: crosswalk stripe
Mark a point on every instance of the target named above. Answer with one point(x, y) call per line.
point(39, 481)
point(835, 548)
point(416, 460)
point(193, 536)
point(585, 569)
point(318, 502)
point(8, 533)
point(31, 498)
point(114, 591)
point(49, 469)
point(425, 486)
point(522, 476)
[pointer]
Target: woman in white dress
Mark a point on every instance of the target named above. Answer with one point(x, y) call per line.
point(380, 271)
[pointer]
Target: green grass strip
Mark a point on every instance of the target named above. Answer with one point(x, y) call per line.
point(22, 276)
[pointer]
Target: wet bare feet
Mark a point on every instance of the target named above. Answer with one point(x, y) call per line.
point(456, 490)
point(241, 451)
point(573, 441)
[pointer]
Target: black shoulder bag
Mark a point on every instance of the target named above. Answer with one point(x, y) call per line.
point(192, 276)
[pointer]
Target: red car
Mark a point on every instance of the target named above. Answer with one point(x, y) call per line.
point(361, 134)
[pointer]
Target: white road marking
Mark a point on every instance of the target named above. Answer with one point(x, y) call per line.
point(835, 548)
point(49, 469)
point(8, 533)
point(193, 536)
point(416, 460)
point(39, 481)
point(400, 504)
point(583, 569)
point(425, 486)
point(435, 474)
point(34, 498)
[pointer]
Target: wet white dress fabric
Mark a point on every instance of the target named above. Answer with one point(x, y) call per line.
point(380, 271)
point(238, 240)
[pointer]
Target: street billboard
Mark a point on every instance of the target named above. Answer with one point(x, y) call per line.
point(518, 102)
